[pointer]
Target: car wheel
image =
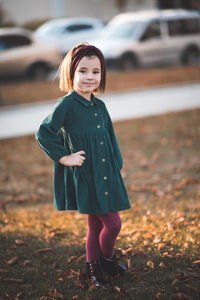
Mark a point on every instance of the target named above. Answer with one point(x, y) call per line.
point(38, 71)
point(128, 62)
point(191, 56)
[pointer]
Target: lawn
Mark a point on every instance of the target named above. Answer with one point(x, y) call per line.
point(42, 251)
point(35, 91)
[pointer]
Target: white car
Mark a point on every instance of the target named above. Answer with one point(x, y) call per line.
point(153, 37)
point(21, 54)
point(65, 33)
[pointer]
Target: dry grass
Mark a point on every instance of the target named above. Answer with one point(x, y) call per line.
point(42, 251)
point(28, 92)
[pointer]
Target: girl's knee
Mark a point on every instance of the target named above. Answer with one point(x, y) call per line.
point(115, 226)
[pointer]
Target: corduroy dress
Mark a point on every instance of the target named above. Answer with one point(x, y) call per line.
point(76, 124)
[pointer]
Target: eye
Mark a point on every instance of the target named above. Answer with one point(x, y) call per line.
point(96, 72)
point(82, 71)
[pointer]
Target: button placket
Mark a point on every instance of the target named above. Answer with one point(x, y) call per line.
point(101, 142)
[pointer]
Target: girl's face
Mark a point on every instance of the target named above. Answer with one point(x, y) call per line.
point(87, 76)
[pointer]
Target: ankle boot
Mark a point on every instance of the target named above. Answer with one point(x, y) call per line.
point(95, 273)
point(112, 266)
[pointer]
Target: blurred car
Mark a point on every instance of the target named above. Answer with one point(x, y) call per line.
point(65, 33)
point(21, 54)
point(149, 38)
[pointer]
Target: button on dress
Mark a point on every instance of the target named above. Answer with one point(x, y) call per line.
point(76, 124)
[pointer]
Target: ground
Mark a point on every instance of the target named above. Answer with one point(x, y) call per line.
point(42, 251)
point(29, 92)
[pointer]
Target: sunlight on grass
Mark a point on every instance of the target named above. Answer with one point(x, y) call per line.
point(42, 251)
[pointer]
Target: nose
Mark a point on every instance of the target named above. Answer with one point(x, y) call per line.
point(89, 75)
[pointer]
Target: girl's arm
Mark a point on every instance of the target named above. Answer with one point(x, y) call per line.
point(49, 135)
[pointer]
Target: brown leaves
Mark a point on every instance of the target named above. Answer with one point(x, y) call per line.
point(71, 259)
point(150, 264)
point(181, 296)
point(43, 250)
point(14, 280)
point(196, 262)
point(162, 265)
point(21, 242)
point(12, 260)
point(160, 232)
point(120, 291)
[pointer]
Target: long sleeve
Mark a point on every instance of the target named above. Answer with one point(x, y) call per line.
point(114, 141)
point(50, 133)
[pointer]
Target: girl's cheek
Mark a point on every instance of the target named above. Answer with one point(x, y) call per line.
point(98, 77)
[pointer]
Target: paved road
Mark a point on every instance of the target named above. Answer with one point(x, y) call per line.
point(25, 119)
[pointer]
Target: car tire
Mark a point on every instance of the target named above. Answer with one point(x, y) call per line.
point(191, 56)
point(128, 62)
point(38, 71)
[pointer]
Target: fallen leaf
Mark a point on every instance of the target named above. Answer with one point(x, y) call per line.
point(191, 288)
point(120, 291)
point(18, 295)
point(128, 263)
point(150, 264)
point(80, 258)
point(71, 258)
point(59, 295)
point(162, 265)
point(12, 260)
point(3, 271)
point(21, 242)
point(12, 280)
point(26, 262)
point(175, 282)
point(196, 262)
point(43, 250)
point(181, 296)
point(75, 297)
point(161, 245)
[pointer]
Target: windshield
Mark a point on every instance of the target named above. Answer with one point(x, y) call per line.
point(123, 30)
point(49, 29)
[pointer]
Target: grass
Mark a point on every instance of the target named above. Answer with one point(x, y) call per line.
point(33, 91)
point(42, 252)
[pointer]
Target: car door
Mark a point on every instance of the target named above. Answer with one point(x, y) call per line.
point(181, 34)
point(12, 58)
point(151, 45)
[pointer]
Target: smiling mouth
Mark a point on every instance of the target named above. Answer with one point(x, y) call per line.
point(89, 83)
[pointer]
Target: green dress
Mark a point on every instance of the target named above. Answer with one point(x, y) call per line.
point(75, 124)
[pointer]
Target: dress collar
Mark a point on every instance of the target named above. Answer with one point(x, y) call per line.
point(81, 99)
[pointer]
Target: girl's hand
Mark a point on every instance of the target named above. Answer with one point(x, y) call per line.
point(75, 159)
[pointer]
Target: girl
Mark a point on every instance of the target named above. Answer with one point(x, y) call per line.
point(78, 135)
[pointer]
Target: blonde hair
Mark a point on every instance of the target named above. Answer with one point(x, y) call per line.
point(65, 82)
point(65, 69)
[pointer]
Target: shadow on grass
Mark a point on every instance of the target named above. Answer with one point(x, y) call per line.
point(32, 268)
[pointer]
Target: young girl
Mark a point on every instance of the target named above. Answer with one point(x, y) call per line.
point(78, 135)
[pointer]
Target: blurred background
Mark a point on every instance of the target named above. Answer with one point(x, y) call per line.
point(152, 52)
point(134, 36)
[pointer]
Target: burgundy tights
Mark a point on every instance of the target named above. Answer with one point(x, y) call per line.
point(102, 234)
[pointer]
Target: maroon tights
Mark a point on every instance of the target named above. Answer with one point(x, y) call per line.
point(102, 234)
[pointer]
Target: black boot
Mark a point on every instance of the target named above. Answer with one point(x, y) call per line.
point(112, 266)
point(95, 273)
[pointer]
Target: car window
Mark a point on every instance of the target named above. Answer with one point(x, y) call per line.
point(12, 41)
point(184, 26)
point(78, 27)
point(152, 31)
point(122, 30)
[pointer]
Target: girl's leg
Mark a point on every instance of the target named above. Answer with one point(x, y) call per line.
point(108, 235)
point(92, 245)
